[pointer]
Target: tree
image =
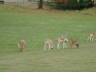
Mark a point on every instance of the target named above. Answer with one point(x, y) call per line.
point(40, 5)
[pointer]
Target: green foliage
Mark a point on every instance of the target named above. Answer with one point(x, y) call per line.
point(73, 4)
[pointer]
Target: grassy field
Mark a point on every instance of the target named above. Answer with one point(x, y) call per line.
point(35, 26)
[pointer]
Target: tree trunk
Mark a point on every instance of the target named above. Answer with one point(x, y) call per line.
point(40, 5)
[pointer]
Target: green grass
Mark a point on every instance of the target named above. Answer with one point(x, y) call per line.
point(35, 26)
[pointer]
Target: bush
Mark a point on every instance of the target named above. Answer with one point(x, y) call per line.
point(72, 4)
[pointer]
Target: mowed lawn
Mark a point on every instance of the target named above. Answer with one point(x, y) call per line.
point(35, 26)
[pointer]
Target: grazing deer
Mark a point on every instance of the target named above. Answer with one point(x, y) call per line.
point(48, 44)
point(62, 41)
point(74, 43)
point(92, 36)
point(21, 45)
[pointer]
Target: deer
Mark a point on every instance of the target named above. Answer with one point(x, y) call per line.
point(92, 36)
point(62, 42)
point(21, 45)
point(74, 43)
point(48, 44)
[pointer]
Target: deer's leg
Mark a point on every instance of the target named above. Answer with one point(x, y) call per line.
point(58, 45)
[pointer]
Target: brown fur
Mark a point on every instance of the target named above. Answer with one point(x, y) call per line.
point(48, 43)
point(21, 45)
point(74, 43)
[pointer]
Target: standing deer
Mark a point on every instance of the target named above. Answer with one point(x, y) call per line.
point(48, 44)
point(62, 42)
point(21, 45)
point(92, 36)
